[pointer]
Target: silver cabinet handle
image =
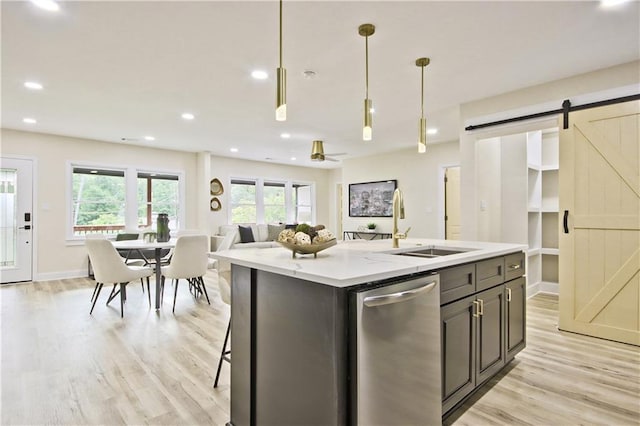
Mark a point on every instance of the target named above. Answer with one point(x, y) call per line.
point(517, 266)
point(481, 310)
point(508, 295)
point(401, 296)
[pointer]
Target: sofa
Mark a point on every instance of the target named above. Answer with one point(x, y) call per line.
point(250, 235)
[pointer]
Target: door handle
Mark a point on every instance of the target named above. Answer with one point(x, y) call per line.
point(401, 296)
point(477, 305)
point(565, 221)
point(481, 310)
point(25, 227)
point(508, 295)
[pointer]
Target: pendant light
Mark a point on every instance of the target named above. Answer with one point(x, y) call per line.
point(281, 89)
point(317, 151)
point(422, 132)
point(367, 30)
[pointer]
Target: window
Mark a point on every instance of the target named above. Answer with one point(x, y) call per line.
point(243, 201)
point(98, 201)
point(107, 200)
point(275, 208)
point(157, 193)
point(256, 200)
point(302, 202)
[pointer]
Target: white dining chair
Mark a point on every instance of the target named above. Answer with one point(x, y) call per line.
point(109, 267)
point(189, 261)
point(224, 284)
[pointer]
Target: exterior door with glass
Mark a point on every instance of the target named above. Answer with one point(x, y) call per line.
point(16, 220)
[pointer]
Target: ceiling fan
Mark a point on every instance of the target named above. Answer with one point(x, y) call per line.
point(317, 153)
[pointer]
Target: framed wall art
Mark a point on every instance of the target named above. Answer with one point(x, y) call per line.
point(372, 199)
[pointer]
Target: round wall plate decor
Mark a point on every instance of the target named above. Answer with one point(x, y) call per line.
point(215, 204)
point(215, 186)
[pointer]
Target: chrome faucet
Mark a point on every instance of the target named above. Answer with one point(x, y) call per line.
point(398, 212)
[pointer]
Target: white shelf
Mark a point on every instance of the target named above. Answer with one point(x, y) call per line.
point(542, 204)
point(550, 251)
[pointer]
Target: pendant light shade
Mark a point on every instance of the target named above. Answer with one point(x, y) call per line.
point(367, 30)
point(317, 151)
point(422, 126)
point(281, 76)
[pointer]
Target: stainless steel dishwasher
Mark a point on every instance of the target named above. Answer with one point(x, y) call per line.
point(397, 354)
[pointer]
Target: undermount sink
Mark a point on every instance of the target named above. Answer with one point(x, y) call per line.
point(432, 252)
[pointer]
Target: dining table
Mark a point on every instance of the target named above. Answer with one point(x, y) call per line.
point(157, 247)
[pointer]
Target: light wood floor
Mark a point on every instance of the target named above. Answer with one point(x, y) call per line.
point(61, 366)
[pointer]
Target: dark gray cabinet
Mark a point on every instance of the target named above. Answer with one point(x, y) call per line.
point(458, 348)
point(490, 327)
point(482, 322)
point(515, 322)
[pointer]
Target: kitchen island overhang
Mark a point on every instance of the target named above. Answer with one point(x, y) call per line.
point(293, 334)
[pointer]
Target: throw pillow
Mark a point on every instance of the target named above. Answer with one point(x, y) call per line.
point(274, 231)
point(246, 234)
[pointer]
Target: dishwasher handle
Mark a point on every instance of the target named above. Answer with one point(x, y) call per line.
point(401, 296)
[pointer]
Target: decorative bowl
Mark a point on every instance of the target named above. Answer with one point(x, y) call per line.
point(307, 248)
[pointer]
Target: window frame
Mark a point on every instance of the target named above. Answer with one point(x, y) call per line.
point(131, 194)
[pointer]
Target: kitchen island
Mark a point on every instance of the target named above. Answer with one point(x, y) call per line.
point(298, 337)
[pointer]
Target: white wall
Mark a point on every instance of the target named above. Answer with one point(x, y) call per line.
point(616, 81)
point(419, 176)
point(224, 168)
point(55, 258)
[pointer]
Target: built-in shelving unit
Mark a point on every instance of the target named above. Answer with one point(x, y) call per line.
point(543, 227)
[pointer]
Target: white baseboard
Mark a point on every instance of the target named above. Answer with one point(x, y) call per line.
point(549, 287)
point(532, 290)
point(51, 276)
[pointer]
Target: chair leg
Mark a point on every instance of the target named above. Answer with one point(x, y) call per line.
point(204, 289)
point(162, 289)
point(123, 296)
point(94, 291)
point(99, 287)
point(222, 354)
point(175, 294)
point(113, 294)
point(142, 284)
point(148, 292)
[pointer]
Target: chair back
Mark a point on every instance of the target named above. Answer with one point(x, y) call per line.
point(108, 266)
point(224, 269)
point(190, 257)
point(125, 236)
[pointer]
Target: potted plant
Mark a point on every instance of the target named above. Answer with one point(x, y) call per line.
point(371, 226)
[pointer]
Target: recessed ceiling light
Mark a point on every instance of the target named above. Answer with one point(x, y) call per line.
point(149, 138)
point(293, 158)
point(188, 116)
point(29, 120)
point(234, 150)
point(33, 85)
point(432, 131)
point(49, 5)
point(95, 172)
point(285, 135)
point(259, 75)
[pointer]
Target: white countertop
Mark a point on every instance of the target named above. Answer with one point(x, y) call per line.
point(360, 261)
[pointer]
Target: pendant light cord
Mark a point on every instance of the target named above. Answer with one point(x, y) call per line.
point(366, 67)
point(422, 94)
point(280, 33)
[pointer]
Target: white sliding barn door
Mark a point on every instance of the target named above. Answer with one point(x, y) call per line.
point(600, 254)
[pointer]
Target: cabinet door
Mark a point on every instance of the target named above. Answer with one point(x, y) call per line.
point(490, 333)
point(515, 333)
point(458, 347)
point(489, 273)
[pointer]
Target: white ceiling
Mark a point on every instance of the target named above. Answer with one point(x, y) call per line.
point(114, 70)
